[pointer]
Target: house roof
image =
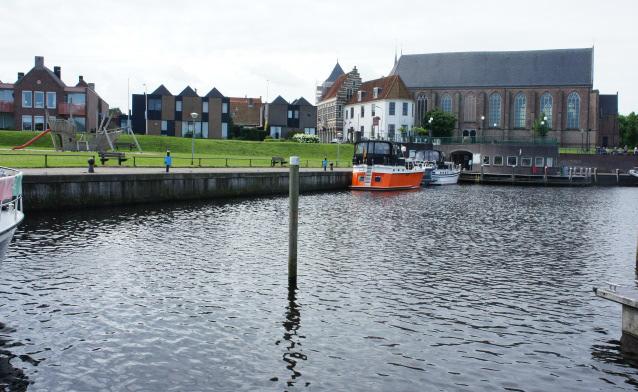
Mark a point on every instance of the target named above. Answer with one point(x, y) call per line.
point(214, 93)
point(161, 90)
point(608, 104)
point(390, 87)
point(279, 101)
point(559, 67)
point(188, 92)
point(301, 101)
point(336, 72)
point(245, 111)
point(42, 67)
point(334, 89)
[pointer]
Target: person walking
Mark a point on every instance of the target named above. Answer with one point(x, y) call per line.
point(168, 160)
point(324, 163)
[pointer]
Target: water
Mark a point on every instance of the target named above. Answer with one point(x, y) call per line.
point(454, 288)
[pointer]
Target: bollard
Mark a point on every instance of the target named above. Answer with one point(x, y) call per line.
point(91, 162)
point(331, 166)
point(617, 176)
point(293, 219)
point(596, 175)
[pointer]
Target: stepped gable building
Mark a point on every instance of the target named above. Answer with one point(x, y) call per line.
point(323, 88)
point(500, 94)
point(170, 114)
point(281, 117)
point(25, 104)
point(330, 108)
point(380, 109)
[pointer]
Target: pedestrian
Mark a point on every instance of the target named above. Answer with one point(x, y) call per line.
point(636, 150)
point(324, 163)
point(168, 160)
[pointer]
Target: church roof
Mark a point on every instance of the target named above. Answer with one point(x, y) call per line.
point(558, 67)
point(279, 101)
point(161, 90)
point(336, 72)
point(608, 104)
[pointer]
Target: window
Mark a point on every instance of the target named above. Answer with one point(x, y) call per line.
point(38, 123)
point(512, 161)
point(80, 123)
point(372, 112)
point(39, 99)
point(573, 111)
point(224, 130)
point(362, 111)
point(375, 93)
point(346, 114)
point(486, 160)
point(421, 109)
point(526, 161)
point(550, 161)
point(391, 131)
point(205, 107)
point(392, 108)
point(178, 106)
point(352, 112)
point(296, 114)
point(27, 123)
point(520, 110)
point(27, 100)
point(546, 108)
point(289, 114)
point(76, 98)
point(224, 107)
point(164, 127)
point(205, 130)
point(405, 109)
point(538, 161)
point(6, 96)
point(51, 100)
point(495, 111)
point(155, 104)
point(498, 160)
point(469, 108)
point(446, 103)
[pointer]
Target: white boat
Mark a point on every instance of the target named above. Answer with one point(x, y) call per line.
point(633, 172)
point(11, 213)
point(446, 173)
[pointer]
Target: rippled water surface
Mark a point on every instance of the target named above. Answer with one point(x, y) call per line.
point(453, 288)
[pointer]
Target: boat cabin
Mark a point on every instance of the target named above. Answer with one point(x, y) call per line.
point(377, 152)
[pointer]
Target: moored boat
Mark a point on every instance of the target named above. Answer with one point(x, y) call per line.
point(446, 173)
point(633, 172)
point(10, 206)
point(380, 165)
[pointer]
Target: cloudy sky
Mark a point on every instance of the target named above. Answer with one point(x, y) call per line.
point(281, 47)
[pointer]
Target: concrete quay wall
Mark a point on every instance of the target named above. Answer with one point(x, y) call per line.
point(64, 191)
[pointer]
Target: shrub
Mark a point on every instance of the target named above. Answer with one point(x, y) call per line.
point(303, 138)
point(291, 134)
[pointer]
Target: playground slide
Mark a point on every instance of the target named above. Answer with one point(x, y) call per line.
point(30, 142)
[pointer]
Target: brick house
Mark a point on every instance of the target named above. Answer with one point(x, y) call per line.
point(245, 112)
point(500, 94)
point(25, 104)
point(281, 117)
point(330, 107)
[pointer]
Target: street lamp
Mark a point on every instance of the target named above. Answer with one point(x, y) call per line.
point(430, 127)
point(194, 117)
point(379, 125)
point(339, 136)
point(145, 111)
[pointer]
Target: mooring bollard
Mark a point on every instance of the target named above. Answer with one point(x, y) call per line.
point(293, 219)
point(91, 162)
point(617, 176)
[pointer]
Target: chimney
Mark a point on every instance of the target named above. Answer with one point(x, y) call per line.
point(39, 61)
point(81, 79)
point(57, 71)
point(92, 86)
point(20, 75)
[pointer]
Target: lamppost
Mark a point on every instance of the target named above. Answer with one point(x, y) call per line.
point(339, 136)
point(482, 125)
point(145, 111)
point(430, 127)
point(194, 117)
point(379, 125)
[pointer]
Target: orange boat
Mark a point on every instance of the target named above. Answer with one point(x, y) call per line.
point(380, 166)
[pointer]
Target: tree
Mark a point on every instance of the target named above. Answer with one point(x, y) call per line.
point(628, 129)
point(442, 123)
point(540, 127)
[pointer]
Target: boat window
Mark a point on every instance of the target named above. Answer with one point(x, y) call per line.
point(512, 161)
point(498, 160)
point(486, 160)
point(377, 179)
point(526, 161)
point(538, 161)
point(360, 147)
point(382, 148)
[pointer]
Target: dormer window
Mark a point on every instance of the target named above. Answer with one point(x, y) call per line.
point(375, 92)
point(360, 95)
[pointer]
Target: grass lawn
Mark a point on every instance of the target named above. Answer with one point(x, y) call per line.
point(208, 152)
point(576, 150)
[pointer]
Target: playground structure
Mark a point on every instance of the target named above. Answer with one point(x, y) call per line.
point(65, 136)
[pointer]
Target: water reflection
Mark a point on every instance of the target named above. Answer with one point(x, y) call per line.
point(292, 338)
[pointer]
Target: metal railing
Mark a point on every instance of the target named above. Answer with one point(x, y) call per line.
point(46, 157)
point(483, 139)
point(14, 204)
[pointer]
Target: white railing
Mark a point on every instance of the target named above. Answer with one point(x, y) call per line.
point(10, 192)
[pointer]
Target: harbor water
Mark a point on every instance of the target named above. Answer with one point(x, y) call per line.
point(468, 288)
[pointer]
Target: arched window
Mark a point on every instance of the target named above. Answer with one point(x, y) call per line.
point(446, 103)
point(495, 111)
point(573, 111)
point(469, 108)
point(547, 103)
point(520, 110)
point(421, 109)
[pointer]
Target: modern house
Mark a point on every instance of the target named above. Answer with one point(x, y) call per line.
point(281, 117)
point(380, 109)
point(171, 115)
point(26, 103)
point(501, 94)
point(330, 106)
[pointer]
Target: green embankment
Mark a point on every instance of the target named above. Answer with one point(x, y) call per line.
point(208, 153)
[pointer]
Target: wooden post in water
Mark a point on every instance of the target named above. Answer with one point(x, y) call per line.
point(293, 219)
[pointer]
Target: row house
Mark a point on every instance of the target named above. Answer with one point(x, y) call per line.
point(40, 94)
point(280, 117)
point(381, 109)
point(162, 113)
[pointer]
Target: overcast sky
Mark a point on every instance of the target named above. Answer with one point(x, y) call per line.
point(237, 45)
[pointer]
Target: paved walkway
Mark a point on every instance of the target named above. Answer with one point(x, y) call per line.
point(152, 170)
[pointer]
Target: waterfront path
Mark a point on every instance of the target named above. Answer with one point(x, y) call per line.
point(160, 170)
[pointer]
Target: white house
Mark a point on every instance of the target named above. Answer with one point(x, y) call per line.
point(380, 109)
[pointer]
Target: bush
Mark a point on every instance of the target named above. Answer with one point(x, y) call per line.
point(303, 138)
point(291, 134)
point(242, 133)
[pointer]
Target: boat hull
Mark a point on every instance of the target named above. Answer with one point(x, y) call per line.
point(7, 233)
point(447, 177)
point(385, 178)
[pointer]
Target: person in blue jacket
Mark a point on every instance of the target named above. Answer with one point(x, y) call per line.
point(324, 163)
point(168, 160)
